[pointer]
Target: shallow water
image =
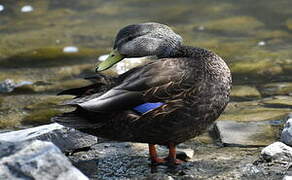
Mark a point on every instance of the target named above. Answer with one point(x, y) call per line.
point(53, 43)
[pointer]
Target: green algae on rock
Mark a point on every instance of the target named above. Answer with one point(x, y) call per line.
point(279, 88)
point(50, 56)
point(237, 24)
point(51, 87)
point(289, 24)
point(244, 93)
point(253, 111)
point(40, 117)
point(278, 102)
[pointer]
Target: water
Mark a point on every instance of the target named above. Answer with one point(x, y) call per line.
point(254, 37)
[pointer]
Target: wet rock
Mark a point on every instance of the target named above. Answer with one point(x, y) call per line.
point(260, 71)
point(158, 176)
point(49, 57)
point(289, 23)
point(282, 88)
point(277, 151)
point(233, 133)
point(51, 87)
point(280, 102)
point(257, 110)
point(9, 85)
point(66, 139)
point(239, 24)
point(286, 135)
point(35, 160)
point(244, 93)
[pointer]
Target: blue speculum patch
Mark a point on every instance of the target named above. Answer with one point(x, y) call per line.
point(143, 108)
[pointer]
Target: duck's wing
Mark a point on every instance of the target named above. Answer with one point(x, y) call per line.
point(153, 82)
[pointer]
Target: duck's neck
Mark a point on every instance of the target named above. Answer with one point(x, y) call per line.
point(183, 51)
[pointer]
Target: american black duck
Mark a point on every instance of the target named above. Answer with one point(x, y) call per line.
point(166, 101)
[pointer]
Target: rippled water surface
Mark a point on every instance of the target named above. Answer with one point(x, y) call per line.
point(51, 44)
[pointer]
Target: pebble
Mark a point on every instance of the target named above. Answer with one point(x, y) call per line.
point(261, 43)
point(27, 8)
point(70, 49)
point(1, 7)
point(201, 28)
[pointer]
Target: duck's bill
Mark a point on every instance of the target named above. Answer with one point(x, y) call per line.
point(113, 58)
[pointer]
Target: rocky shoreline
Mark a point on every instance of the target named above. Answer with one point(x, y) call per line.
point(56, 152)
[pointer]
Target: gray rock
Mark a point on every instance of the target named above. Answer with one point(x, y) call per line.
point(286, 135)
point(35, 160)
point(66, 139)
point(277, 151)
point(246, 134)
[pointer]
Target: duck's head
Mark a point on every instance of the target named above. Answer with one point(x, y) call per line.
point(139, 40)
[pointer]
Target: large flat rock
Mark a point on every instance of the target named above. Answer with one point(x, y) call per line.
point(67, 139)
point(250, 134)
point(35, 160)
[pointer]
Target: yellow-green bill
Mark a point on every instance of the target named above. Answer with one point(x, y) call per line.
point(113, 58)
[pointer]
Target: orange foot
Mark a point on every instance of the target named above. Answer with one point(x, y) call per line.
point(158, 161)
point(173, 161)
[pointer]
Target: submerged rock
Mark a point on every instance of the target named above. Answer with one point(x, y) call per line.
point(9, 85)
point(66, 139)
point(35, 160)
point(239, 24)
point(244, 93)
point(281, 88)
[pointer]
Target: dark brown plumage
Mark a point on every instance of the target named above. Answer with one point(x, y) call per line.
point(192, 83)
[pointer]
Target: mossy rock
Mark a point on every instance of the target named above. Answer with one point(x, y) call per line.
point(40, 117)
point(289, 23)
point(244, 93)
point(252, 111)
point(47, 103)
point(50, 56)
point(278, 102)
point(272, 34)
point(255, 71)
point(281, 88)
point(1, 100)
point(239, 24)
point(51, 87)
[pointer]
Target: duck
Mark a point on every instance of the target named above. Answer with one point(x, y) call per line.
point(172, 98)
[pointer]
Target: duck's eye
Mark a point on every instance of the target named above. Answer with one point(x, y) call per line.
point(130, 38)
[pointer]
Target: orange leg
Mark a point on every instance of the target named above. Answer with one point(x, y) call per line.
point(171, 158)
point(153, 155)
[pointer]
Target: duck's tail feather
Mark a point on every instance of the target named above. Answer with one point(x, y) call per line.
point(101, 82)
point(76, 120)
point(80, 91)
